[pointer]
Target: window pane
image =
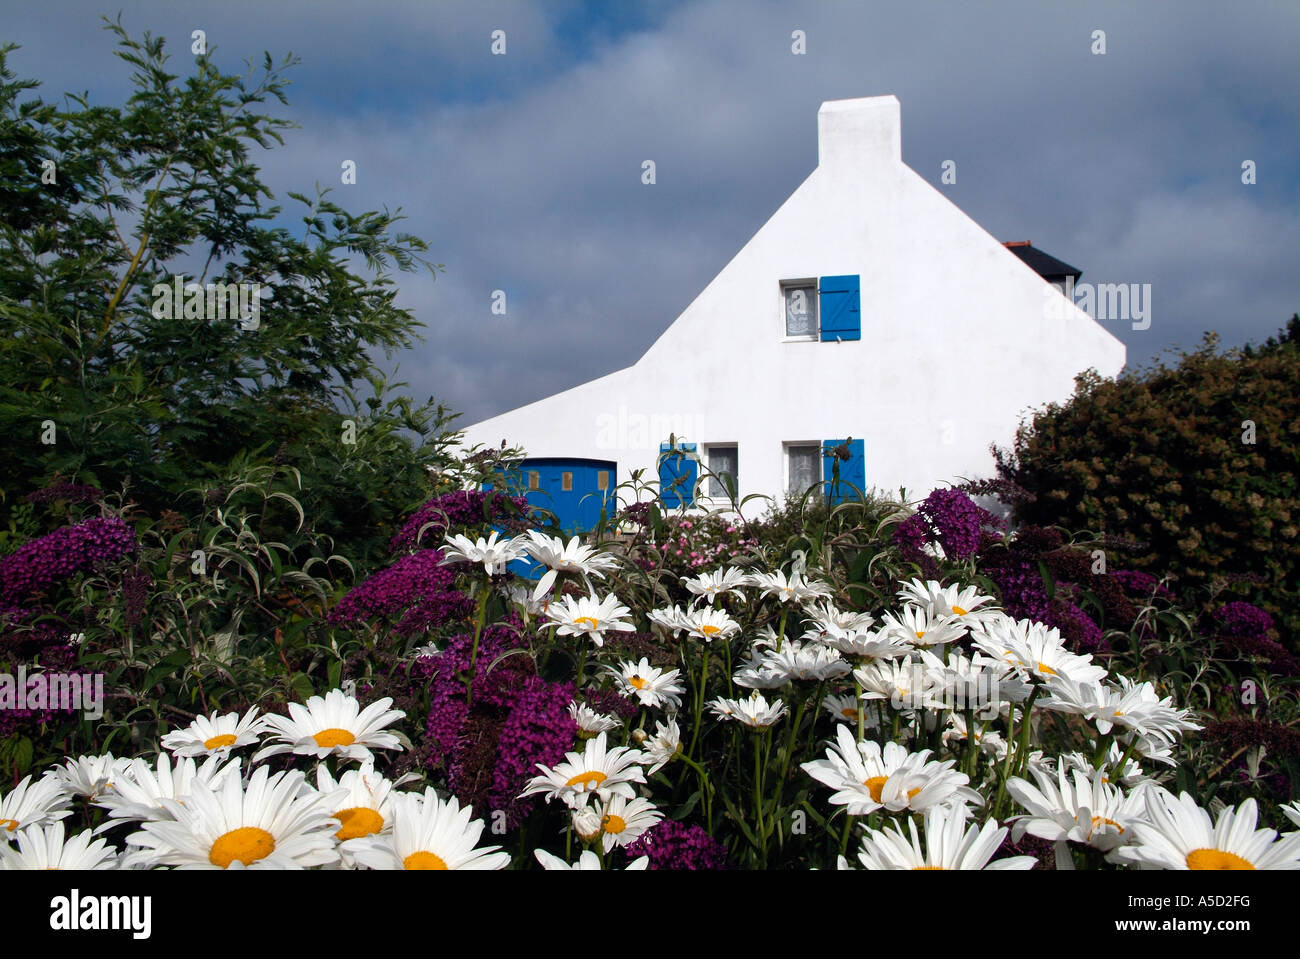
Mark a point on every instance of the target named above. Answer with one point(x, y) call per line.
point(566, 482)
point(800, 311)
point(602, 480)
point(722, 460)
point(805, 468)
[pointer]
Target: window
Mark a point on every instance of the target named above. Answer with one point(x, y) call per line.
point(566, 482)
point(534, 480)
point(722, 461)
point(602, 480)
point(800, 301)
point(805, 467)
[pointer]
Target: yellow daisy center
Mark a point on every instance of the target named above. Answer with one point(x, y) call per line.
point(423, 860)
point(587, 621)
point(216, 742)
point(588, 779)
point(849, 712)
point(9, 824)
point(248, 844)
point(876, 784)
point(1216, 859)
point(710, 630)
point(358, 821)
point(1098, 821)
point(614, 823)
point(960, 612)
point(638, 683)
point(920, 634)
point(1044, 668)
point(916, 868)
point(329, 738)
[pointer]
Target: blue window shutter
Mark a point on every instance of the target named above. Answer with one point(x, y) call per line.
point(678, 472)
point(839, 304)
point(853, 471)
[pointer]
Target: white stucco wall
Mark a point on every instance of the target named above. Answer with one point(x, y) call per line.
point(957, 343)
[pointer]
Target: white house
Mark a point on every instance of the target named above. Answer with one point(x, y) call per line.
point(867, 307)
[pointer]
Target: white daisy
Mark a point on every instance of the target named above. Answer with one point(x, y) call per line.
point(591, 722)
point(844, 709)
point(273, 823)
point(709, 624)
point(43, 847)
point(334, 724)
point(494, 554)
point(88, 776)
point(903, 683)
point(826, 616)
point(867, 645)
point(966, 606)
point(792, 589)
point(559, 557)
point(32, 804)
point(429, 833)
point(919, 627)
point(867, 777)
point(1077, 807)
point(215, 734)
point(623, 820)
point(1035, 648)
point(663, 747)
point(1179, 834)
point(652, 687)
point(974, 682)
point(588, 616)
point(672, 621)
point(753, 710)
point(1133, 706)
point(949, 844)
point(710, 586)
point(588, 861)
point(361, 802)
point(139, 791)
point(604, 772)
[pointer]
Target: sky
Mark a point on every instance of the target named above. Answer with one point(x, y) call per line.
point(522, 169)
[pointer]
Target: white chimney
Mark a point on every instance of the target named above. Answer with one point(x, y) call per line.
point(857, 137)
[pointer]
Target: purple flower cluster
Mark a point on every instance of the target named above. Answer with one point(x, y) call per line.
point(489, 751)
point(949, 517)
point(1020, 585)
point(51, 559)
point(455, 511)
point(1246, 628)
point(1077, 627)
point(538, 729)
point(1137, 583)
point(415, 595)
point(674, 845)
point(66, 492)
point(1243, 619)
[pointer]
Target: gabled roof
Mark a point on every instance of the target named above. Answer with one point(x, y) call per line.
point(1044, 264)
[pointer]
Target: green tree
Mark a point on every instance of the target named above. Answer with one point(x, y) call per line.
point(103, 207)
point(1199, 461)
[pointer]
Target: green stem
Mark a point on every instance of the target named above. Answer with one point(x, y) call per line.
point(473, 654)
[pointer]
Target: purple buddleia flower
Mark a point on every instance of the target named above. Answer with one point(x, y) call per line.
point(45, 562)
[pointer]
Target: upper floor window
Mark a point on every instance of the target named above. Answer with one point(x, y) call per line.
point(805, 467)
point(826, 308)
point(800, 300)
point(723, 461)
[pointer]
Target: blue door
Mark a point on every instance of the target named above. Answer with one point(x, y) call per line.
point(575, 490)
